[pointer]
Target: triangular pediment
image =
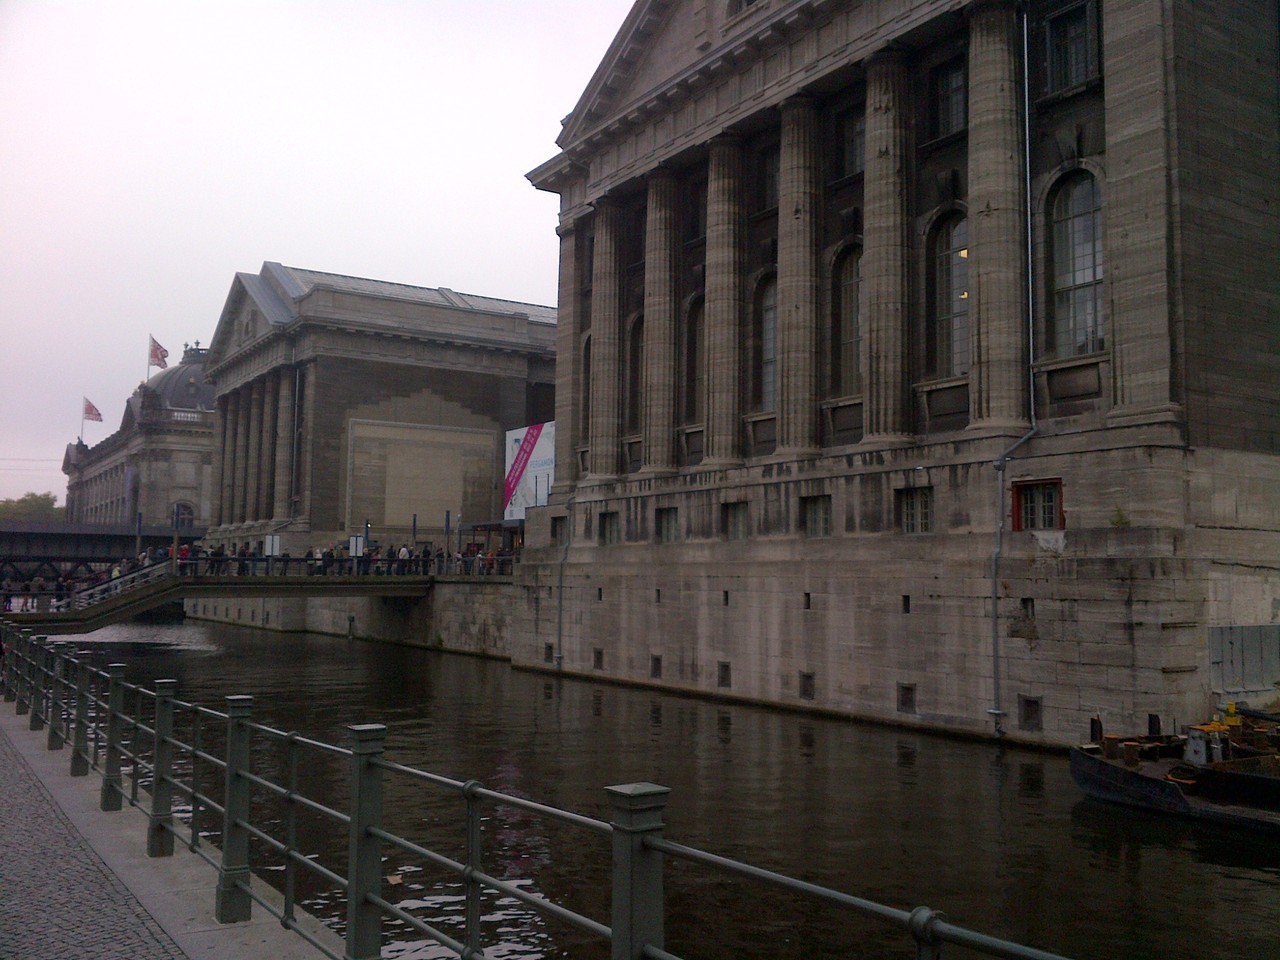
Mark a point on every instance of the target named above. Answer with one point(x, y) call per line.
point(666, 45)
point(257, 304)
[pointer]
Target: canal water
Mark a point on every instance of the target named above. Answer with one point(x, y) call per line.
point(998, 839)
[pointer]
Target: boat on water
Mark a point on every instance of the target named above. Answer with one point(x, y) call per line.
point(1213, 772)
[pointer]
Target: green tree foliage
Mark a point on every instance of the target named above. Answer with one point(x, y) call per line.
point(32, 506)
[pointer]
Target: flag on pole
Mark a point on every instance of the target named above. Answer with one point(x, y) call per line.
point(91, 412)
point(158, 355)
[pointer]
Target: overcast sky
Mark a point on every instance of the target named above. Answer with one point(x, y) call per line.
point(151, 150)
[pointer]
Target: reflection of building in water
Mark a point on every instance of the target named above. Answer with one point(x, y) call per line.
point(801, 318)
point(342, 401)
point(159, 463)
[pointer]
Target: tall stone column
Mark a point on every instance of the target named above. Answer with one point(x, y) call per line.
point(241, 492)
point(660, 322)
point(722, 308)
point(884, 303)
point(799, 199)
point(997, 216)
point(253, 463)
point(230, 444)
point(568, 372)
point(270, 430)
point(281, 509)
point(220, 436)
point(306, 442)
point(605, 324)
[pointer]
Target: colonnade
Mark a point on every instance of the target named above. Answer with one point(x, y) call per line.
point(102, 498)
point(994, 206)
point(258, 426)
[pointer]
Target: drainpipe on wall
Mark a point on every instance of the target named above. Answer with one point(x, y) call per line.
point(996, 710)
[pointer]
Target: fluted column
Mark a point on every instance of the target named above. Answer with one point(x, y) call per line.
point(306, 443)
point(284, 447)
point(604, 341)
point(242, 456)
point(270, 430)
point(568, 370)
point(799, 186)
point(220, 436)
point(253, 463)
point(229, 447)
point(997, 205)
point(723, 302)
point(660, 322)
point(884, 304)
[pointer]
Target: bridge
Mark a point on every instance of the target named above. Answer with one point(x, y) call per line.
point(38, 548)
point(122, 598)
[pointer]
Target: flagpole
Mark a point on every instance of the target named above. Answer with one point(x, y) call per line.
point(82, 400)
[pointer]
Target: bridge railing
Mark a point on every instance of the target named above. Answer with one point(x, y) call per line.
point(241, 817)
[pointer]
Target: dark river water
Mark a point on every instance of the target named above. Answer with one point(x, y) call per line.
point(999, 840)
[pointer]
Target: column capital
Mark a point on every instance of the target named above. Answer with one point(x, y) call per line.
point(663, 171)
point(891, 54)
point(978, 7)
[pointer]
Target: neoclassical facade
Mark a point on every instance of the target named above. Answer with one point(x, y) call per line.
point(343, 401)
point(159, 463)
point(919, 361)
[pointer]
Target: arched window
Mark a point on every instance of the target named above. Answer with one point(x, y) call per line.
point(764, 348)
point(634, 385)
point(947, 336)
point(1076, 281)
point(846, 327)
point(184, 515)
point(691, 381)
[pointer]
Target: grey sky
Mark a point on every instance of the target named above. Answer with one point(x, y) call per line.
point(153, 149)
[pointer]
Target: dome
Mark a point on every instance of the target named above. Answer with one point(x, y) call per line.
point(182, 387)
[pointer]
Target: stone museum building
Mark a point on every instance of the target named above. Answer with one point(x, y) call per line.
point(920, 361)
point(159, 463)
point(342, 402)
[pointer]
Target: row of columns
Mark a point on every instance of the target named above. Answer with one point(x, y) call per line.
point(102, 498)
point(996, 204)
point(254, 471)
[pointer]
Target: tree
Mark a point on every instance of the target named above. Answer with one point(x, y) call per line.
point(32, 506)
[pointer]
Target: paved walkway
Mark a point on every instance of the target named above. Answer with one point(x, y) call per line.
point(76, 882)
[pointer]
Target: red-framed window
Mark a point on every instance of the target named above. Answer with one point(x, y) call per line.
point(1037, 505)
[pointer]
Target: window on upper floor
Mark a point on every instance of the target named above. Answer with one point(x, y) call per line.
point(846, 327)
point(695, 211)
point(767, 179)
point(633, 386)
point(1075, 240)
point(947, 322)
point(610, 528)
point(734, 520)
point(1071, 48)
point(764, 347)
point(666, 524)
point(815, 516)
point(851, 145)
point(1037, 505)
point(691, 341)
point(949, 100)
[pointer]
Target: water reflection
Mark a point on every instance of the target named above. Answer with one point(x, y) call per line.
point(998, 839)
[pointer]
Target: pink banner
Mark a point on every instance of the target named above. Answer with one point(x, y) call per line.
point(521, 461)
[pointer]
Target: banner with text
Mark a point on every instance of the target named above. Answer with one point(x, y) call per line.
point(531, 463)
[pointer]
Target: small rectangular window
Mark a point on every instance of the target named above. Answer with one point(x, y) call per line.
point(733, 520)
point(666, 524)
point(815, 516)
point(610, 528)
point(548, 653)
point(559, 531)
point(950, 100)
point(1071, 48)
point(915, 509)
point(1030, 714)
point(724, 675)
point(906, 698)
point(655, 667)
point(808, 686)
point(597, 658)
point(1038, 505)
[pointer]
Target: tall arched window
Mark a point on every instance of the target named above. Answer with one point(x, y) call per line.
point(1076, 282)
point(634, 385)
point(846, 327)
point(691, 381)
point(764, 348)
point(947, 336)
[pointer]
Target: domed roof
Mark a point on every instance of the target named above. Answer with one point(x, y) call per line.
point(182, 387)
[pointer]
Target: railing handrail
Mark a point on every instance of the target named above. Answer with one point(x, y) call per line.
point(46, 679)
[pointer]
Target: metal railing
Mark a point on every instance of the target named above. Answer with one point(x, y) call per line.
point(224, 796)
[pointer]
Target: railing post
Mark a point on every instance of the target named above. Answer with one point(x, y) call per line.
point(112, 792)
point(364, 861)
point(233, 904)
point(7, 639)
point(23, 678)
point(474, 864)
point(160, 829)
point(80, 736)
point(637, 871)
point(56, 738)
point(921, 924)
point(39, 663)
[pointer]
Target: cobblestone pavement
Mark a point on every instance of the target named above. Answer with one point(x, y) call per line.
point(58, 900)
